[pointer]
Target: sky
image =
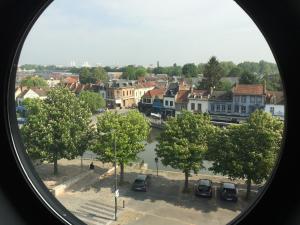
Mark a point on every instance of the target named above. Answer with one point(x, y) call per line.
point(142, 32)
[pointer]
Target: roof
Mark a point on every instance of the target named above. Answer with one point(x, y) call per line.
point(221, 96)
point(229, 185)
point(197, 93)
point(159, 92)
point(40, 92)
point(172, 90)
point(249, 89)
point(182, 96)
point(275, 97)
point(71, 79)
point(141, 177)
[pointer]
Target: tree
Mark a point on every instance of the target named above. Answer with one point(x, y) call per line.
point(129, 73)
point(247, 151)
point(213, 72)
point(224, 86)
point(227, 66)
point(93, 100)
point(84, 76)
point(190, 70)
point(183, 142)
point(127, 130)
point(55, 126)
point(140, 72)
point(99, 74)
point(201, 68)
point(249, 78)
point(235, 72)
point(34, 81)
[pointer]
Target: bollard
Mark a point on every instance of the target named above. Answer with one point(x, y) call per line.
point(123, 203)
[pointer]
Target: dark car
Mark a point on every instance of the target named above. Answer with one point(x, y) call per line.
point(229, 192)
point(203, 188)
point(141, 183)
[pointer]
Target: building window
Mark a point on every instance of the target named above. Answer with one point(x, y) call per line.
point(199, 107)
point(167, 102)
point(192, 106)
point(243, 99)
point(236, 108)
point(272, 110)
point(243, 109)
point(123, 93)
point(171, 103)
point(144, 100)
point(258, 99)
point(236, 98)
point(223, 108)
point(229, 108)
point(218, 108)
point(212, 107)
point(127, 93)
point(252, 99)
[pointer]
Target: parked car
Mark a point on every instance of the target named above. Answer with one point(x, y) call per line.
point(141, 183)
point(203, 188)
point(229, 192)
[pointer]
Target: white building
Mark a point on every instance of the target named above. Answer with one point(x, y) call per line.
point(31, 93)
point(142, 89)
point(275, 103)
point(198, 101)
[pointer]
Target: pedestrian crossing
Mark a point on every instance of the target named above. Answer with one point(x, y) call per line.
point(95, 213)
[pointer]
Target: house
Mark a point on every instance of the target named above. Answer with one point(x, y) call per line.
point(71, 79)
point(275, 103)
point(220, 105)
point(181, 101)
point(198, 101)
point(120, 93)
point(169, 100)
point(247, 98)
point(141, 89)
point(114, 75)
point(152, 101)
point(52, 82)
point(31, 93)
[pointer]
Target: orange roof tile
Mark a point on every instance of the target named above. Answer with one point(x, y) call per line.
point(182, 96)
point(249, 89)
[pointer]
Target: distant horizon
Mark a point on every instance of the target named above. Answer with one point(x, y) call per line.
point(119, 32)
point(154, 65)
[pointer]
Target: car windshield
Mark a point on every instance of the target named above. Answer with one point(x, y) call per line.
point(229, 190)
point(139, 181)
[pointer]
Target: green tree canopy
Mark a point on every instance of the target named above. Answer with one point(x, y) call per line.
point(213, 72)
point(224, 86)
point(249, 78)
point(183, 142)
point(34, 81)
point(92, 75)
point(227, 66)
point(93, 100)
point(247, 151)
point(129, 131)
point(190, 70)
point(55, 126)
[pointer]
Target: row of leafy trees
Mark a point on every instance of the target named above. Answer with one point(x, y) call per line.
point(59, 127)
point(246, 151)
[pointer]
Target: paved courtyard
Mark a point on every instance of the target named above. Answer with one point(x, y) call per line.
point(164, 203)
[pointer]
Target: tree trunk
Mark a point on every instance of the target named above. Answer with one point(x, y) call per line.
point(121, 172)
point(248, 188)
point(186, 181)
point(81, 164)
point(55, 163)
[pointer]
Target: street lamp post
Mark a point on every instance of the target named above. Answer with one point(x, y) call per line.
point(156, 161)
